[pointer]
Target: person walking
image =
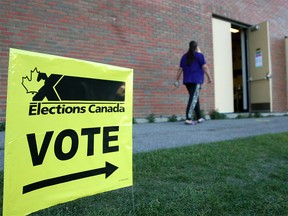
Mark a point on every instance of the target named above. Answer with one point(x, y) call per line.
point(193, 67)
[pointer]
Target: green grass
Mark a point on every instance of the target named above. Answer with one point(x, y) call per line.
point(239, 177)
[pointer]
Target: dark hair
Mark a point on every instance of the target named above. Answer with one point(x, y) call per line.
point(190, 54)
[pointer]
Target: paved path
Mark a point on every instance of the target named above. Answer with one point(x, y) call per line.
point(152, 136)
point(148, 136)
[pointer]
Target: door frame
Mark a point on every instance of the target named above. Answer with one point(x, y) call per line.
point(246, 64)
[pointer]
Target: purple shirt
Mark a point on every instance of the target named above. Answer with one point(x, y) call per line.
point(193, 73)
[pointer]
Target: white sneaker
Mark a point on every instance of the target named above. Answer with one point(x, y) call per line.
point(201, 120)
point(190, 122)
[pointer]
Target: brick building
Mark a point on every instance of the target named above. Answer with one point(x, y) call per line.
point(150, 37)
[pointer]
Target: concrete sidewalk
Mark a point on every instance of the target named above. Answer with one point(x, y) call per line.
point(152, 136)
point(148, 137)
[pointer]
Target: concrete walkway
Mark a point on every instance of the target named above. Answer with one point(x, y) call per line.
point(148, 136)
point(152, 136)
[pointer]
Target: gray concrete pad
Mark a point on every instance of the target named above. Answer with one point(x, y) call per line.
point(151, 136)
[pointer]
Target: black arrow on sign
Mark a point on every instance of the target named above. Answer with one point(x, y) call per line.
point(107, 170)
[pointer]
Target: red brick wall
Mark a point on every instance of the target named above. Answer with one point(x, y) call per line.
point(148, 36)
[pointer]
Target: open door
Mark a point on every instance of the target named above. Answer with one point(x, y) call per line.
point(223, 69)
point(260, 68)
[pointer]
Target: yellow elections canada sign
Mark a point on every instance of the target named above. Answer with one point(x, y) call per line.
point(68, 130)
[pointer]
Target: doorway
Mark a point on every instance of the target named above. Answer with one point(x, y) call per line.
point(242, 66)
point(240, 72)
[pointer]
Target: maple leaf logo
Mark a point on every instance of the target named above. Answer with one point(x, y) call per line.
point(32, 83)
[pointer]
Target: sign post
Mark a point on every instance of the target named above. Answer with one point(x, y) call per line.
point(68, 130)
